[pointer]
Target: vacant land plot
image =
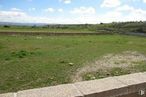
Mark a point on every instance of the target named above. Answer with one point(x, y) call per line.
point(37, 61)
point(54, 29)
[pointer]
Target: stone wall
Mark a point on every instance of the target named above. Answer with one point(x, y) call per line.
point(132, 85)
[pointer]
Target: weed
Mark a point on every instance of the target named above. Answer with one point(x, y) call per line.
point(21, 54)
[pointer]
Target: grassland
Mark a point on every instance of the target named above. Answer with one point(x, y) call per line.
point(54, 29)
point(38, 61)
point(119, 27)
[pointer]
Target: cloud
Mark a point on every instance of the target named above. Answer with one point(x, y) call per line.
point(83, 10)
point(65, 1)
point(130, 9)
point(15, 9)
point(111, 3)
point(12, 14)
point(60, 10)
point(124, 13)
point(32, 9)
point(125, 8)
point(144, 1)
point(120, 14)
point(15, 16)
point(77, 15)
point(49, 10)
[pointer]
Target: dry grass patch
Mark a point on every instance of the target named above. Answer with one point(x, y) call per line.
point(123, 60)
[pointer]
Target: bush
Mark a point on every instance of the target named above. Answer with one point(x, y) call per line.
point(6, 26)
point(34, 26)
point(140, 30)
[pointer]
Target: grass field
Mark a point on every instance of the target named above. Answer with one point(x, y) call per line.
point(117, 27)
point(45, 29)
point(32, 61)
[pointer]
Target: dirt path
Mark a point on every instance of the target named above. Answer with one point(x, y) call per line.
point(123, 60)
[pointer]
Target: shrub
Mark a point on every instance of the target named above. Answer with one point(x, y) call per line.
point(140, 30)
point(34, 26)
point(6, 26)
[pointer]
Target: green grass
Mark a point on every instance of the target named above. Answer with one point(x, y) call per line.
point(119, 27)
point(44, 29)
point(28, 62)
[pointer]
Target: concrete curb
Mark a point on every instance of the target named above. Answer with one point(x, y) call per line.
point(118, 86)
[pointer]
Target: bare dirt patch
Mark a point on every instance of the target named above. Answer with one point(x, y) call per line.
point(109, 61)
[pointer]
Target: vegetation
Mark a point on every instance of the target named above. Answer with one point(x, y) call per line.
point(141, 67)
point(49, 28)
point(106, 73)
point(115, 27)
point(37, 61)
point(32, 61)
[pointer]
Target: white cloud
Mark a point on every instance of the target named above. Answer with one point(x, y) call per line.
point(121, 13)
point(78, 15)
point(134, 0)
point(15, 9)
point(15, 16)
point(125, 8)
point(60, 10)
point(130, 9)
point(32, 9)
point(111, 3)
point(12, 14)
point(138, 0)
point(124, 13)
point(49, 10)
point(83, 10)
point(65, 1)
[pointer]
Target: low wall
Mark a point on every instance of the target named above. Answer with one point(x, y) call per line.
point(132, 85)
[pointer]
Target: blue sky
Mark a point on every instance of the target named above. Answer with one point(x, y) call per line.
point(72, 11)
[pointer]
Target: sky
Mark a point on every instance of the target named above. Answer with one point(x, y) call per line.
point(72, 11)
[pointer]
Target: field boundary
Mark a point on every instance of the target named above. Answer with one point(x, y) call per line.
point(132, 85)
point(52, 33)
point(134, 34)
point(69, 34)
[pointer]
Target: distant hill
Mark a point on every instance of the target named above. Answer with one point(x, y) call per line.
point(123, 27)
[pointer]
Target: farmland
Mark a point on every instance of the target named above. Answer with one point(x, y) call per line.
point(38, 61)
